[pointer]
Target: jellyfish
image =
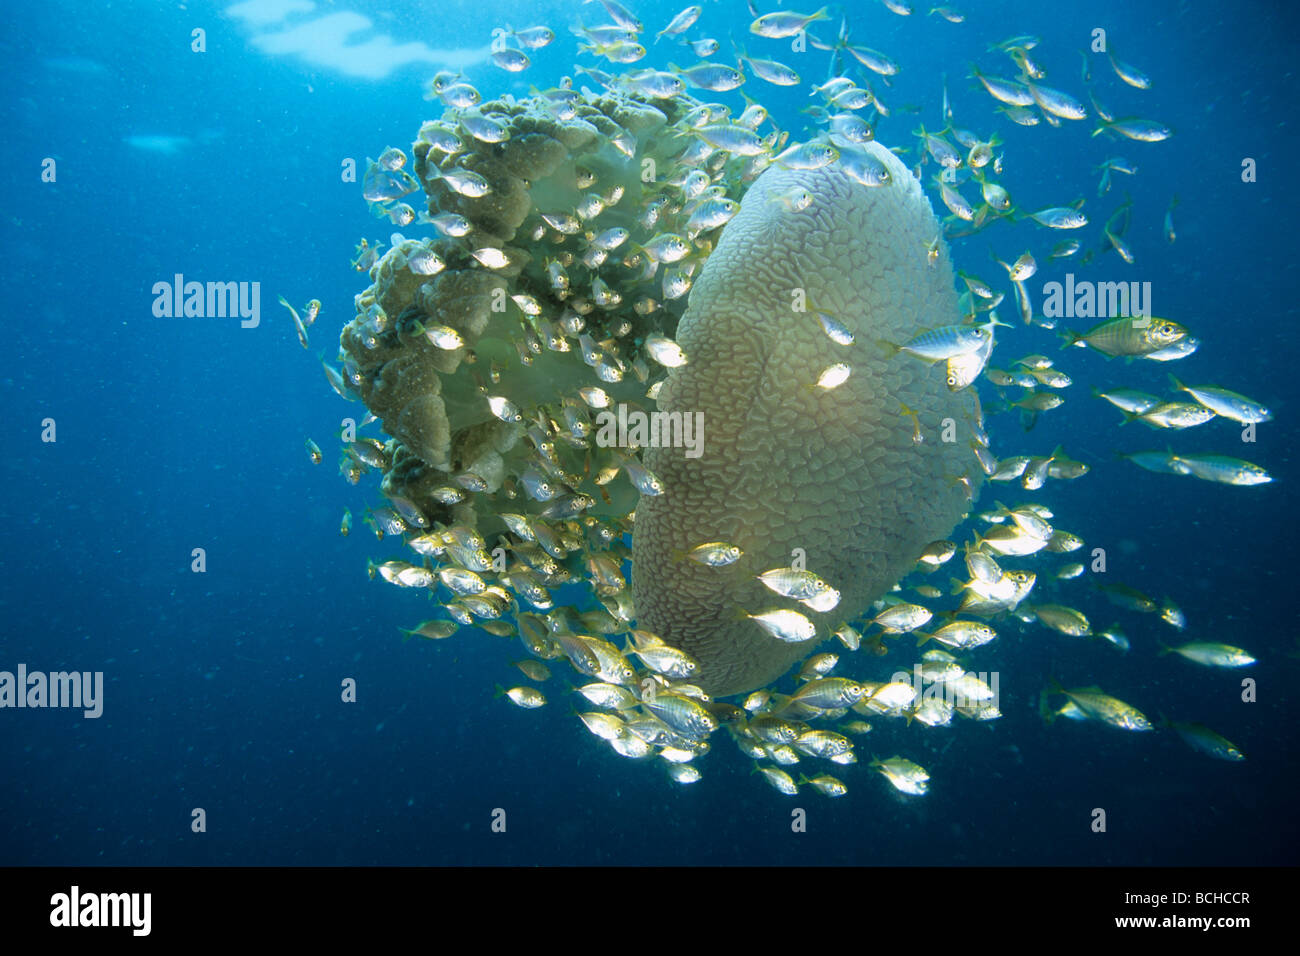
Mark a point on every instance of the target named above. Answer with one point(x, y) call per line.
point(830, 478)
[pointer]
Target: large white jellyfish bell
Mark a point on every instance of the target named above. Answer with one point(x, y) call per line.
point(790, 471)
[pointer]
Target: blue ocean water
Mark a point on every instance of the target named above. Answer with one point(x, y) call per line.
point(222, 689)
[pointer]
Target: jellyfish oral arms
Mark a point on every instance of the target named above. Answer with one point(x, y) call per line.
point(853, 480)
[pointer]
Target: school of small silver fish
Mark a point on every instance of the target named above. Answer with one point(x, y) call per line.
point(548, 287)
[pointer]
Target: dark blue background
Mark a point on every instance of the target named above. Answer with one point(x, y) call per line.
point(223, 688)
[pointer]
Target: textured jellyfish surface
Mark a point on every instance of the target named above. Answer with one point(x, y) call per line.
point(789, 469)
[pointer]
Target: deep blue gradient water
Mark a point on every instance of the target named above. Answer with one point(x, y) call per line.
point(223, 688)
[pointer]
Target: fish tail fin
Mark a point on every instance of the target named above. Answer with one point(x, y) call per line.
point(500, 691)
point(1070, 337)
point(922, 637)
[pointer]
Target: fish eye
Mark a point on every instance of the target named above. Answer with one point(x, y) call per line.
point(1167, 329)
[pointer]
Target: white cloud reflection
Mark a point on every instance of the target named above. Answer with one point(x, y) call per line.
point(343, 41)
